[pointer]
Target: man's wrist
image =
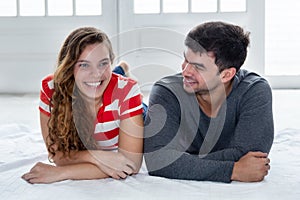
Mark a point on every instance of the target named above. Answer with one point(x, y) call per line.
point(234, 175)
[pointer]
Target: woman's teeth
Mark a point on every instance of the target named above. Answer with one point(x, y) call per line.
point(94, 84)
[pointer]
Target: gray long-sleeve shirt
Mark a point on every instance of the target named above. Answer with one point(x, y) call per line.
point(181, 142)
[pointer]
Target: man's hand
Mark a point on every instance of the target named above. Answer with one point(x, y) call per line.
point(252, 167)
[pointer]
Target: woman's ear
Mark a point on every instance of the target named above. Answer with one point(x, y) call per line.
point(227, 74)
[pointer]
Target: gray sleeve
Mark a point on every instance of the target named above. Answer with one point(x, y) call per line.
point(254, 129)
point(167, 158)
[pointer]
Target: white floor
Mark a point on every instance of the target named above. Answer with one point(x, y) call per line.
point(286, 109)
point(21, 146)
point(22, 109)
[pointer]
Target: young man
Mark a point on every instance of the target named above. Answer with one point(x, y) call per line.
point(213, 121)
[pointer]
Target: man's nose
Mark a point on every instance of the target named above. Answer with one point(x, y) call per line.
point(186, 67)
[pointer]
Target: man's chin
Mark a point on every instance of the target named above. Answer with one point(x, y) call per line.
point(188, 89)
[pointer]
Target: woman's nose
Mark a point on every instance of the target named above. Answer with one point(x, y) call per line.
point(96, 72)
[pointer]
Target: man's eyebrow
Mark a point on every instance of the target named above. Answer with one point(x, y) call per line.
point(194, 63)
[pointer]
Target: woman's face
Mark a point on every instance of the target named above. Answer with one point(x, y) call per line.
point(92, 71)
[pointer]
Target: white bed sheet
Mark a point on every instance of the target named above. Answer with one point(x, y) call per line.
point(21, 146)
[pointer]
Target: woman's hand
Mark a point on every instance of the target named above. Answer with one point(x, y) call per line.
point(114, 164)
point(128, 159)
point(43, 173)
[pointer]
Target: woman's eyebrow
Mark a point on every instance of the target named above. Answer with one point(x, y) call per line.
point(83, 60)
point(104, 59)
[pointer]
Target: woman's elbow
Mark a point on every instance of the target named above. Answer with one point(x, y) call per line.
point(57, 160)
point(138, 164)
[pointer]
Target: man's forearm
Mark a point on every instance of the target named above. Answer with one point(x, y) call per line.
point(189, 167)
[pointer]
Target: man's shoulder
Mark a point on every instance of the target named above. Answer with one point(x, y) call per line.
point(247, 79)
point(248, 76)
point(247, 82)
point(171, 88)
point(168, 81)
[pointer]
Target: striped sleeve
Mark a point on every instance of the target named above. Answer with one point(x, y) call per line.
point(46, 92)
point(131, 105)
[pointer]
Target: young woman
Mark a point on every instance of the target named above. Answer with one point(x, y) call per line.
point(91, 118)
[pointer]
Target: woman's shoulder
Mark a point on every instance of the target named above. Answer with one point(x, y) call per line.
point(122, 81)
point(47, 85)
point(48, 78)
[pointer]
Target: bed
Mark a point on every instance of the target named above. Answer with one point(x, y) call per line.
point(21, 146)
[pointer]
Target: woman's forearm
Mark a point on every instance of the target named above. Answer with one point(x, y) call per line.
point(75, 157)
point(81, 171)
point(108, 162)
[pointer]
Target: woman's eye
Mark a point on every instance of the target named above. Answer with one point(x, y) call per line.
point(103, 64)
point(83, 65)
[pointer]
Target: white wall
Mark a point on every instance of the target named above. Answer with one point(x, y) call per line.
point(157, 51)
point(30, 45)
point(152, 44)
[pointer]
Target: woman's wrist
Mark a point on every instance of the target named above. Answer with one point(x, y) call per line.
point(62, 173)
point(92, 156)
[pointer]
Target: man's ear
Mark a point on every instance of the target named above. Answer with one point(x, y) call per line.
point(227, 74)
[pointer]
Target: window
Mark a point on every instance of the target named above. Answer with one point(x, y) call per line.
point(204, 6)
point(146, 6)
point(175, 6)
point(8, 8)
point(60, 8)
point(32, 8)
point(88, 7)
point(20, 8)
point(232, 6)
point(188, 6)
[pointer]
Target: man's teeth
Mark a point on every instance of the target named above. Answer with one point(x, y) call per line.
point(94, 84)
point(189, 80)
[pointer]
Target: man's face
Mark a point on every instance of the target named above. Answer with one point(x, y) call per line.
point(200, 73)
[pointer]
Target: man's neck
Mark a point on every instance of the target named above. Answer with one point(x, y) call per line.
point(211, 102)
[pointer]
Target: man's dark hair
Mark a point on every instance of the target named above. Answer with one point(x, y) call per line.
point(228, 42)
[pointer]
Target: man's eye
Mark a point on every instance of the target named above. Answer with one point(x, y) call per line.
point(198, 66)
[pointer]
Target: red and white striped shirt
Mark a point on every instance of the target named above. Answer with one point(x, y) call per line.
point(121, 100)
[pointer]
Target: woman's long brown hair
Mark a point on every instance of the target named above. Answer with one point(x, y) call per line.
point(71, 126)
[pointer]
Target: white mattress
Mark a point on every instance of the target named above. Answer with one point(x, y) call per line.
point(21, 146)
